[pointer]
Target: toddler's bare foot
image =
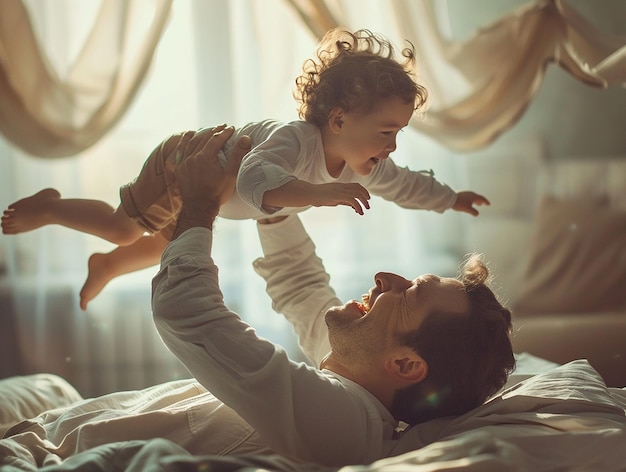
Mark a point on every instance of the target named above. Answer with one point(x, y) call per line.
point(97, 277)
point(29, 213)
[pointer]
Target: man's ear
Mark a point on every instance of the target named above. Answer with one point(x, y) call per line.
point(335, 119)
point(407, 366)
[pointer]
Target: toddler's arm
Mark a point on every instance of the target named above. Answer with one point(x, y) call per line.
point(465, 202)
point(299, 193)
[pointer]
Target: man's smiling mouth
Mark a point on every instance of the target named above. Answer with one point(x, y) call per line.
point(365, 306)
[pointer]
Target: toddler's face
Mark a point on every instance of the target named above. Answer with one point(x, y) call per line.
point(368, 138)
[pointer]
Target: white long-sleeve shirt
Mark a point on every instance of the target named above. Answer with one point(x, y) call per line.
point(286, 151)
point(302, 412)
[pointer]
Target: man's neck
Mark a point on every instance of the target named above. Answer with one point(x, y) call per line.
point(373, 382)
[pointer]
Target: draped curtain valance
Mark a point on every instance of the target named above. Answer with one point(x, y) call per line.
point(480, 86)
point(49, 114)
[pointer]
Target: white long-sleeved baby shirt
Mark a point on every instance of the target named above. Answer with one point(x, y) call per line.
point(282, 152)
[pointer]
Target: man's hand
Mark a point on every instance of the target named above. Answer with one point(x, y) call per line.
point(206, 182)
point(465, 202)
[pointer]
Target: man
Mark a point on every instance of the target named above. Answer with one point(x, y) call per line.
point(413, 350)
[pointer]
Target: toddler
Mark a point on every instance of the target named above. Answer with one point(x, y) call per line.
point(355, 96)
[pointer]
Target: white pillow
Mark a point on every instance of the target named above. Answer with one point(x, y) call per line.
point(27, 396)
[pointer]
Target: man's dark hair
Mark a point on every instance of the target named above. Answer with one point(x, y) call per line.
point(469, 355)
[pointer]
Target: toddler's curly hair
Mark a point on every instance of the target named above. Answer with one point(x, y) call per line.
point(355, 71)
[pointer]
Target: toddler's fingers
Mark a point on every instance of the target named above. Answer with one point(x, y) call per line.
point(356, 206)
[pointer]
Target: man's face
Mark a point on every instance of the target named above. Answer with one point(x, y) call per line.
point(393, 306)
point(368, 138)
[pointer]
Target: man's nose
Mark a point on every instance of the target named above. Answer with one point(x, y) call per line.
point(386, 281)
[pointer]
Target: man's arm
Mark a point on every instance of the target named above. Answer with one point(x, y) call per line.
point(299, 411)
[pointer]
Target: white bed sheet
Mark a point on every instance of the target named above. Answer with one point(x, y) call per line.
point(564, 418)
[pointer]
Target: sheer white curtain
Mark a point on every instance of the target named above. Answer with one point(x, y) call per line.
point(216, 62)
point(113, 345)
point(481, 85)
point(69, 70)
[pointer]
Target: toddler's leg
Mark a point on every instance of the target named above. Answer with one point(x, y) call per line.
point(29, 213)
point(95, 217)
point(143, 253)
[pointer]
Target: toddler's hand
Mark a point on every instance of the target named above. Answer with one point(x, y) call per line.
point(465, 202)
point(334, 194)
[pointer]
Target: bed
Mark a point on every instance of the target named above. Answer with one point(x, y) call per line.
point(548, 417)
